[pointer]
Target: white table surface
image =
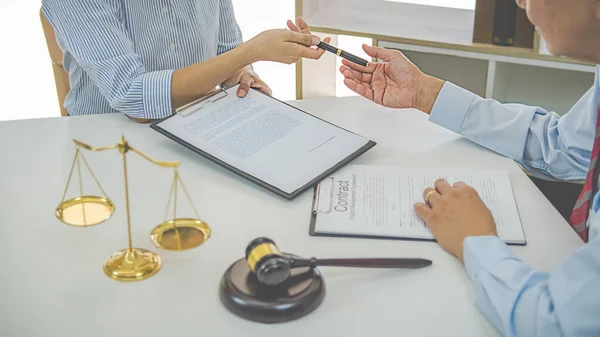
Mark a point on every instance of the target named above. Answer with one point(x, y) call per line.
point(51, 278)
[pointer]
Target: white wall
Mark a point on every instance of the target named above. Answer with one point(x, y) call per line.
point(26, 82)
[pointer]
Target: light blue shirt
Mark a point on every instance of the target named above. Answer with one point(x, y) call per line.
point(121, 54)
point(518, 300)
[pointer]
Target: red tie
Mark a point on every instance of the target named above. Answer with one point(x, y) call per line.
point(581, 210)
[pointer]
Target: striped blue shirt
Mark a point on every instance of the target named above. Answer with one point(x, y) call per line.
point(121, 54)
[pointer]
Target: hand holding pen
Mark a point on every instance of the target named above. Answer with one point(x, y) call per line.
point(302, 27)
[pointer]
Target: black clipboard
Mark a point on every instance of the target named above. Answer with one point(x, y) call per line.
point(220, 93)
point(314, 211)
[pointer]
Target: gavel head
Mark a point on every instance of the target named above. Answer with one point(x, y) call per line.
point(266, 262)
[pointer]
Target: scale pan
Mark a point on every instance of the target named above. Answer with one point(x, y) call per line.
point(180, 234)
point(85, 211)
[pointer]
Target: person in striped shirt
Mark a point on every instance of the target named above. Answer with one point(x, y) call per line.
point(146, 58)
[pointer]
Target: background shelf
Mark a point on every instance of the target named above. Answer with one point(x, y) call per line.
point(439, 41)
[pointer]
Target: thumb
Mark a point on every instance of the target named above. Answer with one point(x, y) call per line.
point(380, 53)
point(305, 39)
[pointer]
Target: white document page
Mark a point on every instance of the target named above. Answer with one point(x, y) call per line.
point(360, 200)
point(265, 138)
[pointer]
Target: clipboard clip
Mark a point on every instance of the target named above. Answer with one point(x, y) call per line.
point(317, 198)
point(213, 96)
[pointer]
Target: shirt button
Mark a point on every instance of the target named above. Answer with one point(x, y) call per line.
point(165, 10)
point(172, 45)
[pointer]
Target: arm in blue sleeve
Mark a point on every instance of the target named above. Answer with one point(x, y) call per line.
point(230, 35)
point(91, 32)
point(522, 302)
point(550, 146)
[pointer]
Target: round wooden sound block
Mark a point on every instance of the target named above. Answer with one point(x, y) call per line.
point(242, 294)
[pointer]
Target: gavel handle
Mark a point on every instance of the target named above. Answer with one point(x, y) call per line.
point(411, 263)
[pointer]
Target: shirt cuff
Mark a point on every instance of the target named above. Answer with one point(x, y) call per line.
point(451, 107)
point(156, 88)
point(483, 253)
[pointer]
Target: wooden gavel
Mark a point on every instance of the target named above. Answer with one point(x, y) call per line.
point(272, 268)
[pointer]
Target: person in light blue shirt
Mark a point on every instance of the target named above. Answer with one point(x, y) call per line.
point(146, 58)
point(517, 299)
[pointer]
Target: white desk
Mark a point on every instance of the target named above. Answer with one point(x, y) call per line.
point(51, 278)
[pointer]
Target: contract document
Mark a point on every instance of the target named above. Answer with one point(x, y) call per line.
point(269, 142)
point(378, 202)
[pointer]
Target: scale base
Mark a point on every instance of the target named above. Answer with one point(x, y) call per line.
point(180, 234)
point(242, 294)
point(85, 211)
point(134, 264)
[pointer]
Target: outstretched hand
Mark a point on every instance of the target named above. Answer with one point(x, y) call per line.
point(395, 83)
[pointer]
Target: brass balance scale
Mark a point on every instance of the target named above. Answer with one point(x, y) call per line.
point(131, 264)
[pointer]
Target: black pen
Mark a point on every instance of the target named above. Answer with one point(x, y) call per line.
point(344, 54)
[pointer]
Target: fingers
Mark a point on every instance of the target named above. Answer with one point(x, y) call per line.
point(304, 39)
point(356, 75)
point(351, 76)
point(303, 26)
point(322, 51)
point(359, 88)
point(309, 53)
point(381, 53)
point(459, 184)
point(299, 27)
point(292, 26)
point(262, 86)
point(249, 80)
point(370, 69)
point(430, 196)
point(442, 186)
point(358, 82)
point(425, 212)
point(246, 82)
